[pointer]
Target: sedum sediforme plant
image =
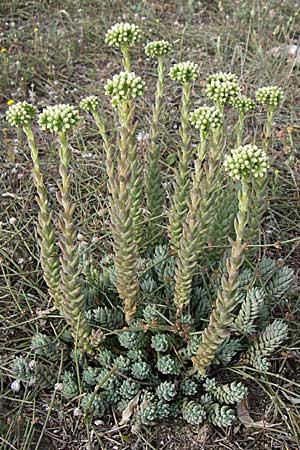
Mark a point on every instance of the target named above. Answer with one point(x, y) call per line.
point(270, 97)
point(243, 105)
point(153, 179)
point(147, 334)
point(122, 89)
point(124, 35)
point(92, 104)
point(265, 344)
point(184, 73)
point(22, 115)
point(61, 119)
point(195, 227)
point(242, 164)
point(222, 88)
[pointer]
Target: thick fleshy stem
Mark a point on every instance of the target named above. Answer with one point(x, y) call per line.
point(200, 215)
point(268, 128)
point(73, 303)
point(260, 190)
point(190, 241)
point(126, 58)
point(107, 145)
point(136, 181)
point(240, 128)
point(221, 317)
point(179, 199)
point(125, 247)
point(47, 242)
point(153, 180)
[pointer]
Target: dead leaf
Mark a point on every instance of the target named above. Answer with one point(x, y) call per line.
point(127, 413)
point(245, 418)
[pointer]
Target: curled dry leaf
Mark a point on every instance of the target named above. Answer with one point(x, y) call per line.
point(127, 413)
point(246, 419)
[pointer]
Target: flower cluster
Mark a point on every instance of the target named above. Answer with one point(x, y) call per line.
point(222, 87)
point(21, 114)
point(185, 72)
point(243, 103)
point(246, 161)
point(90, 103)
point(158, 48)
point(124, 87)
point(123, 34)
point(205, 118)
point(58, 118)
point(270, 96)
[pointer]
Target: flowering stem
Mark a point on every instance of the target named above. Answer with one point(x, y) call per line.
point(268, 128)
point(107, 148)
point(220, 107)
point(240, 129)
point(136, 180)
point(190, 244)
point(48, 249)
point(153, 180)
point(261, 187)
point(126, 58)
point(125, 247)
point(221, 317)
point(73, 304)
point(180, 197)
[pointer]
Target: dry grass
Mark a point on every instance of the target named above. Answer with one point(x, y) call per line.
point(65, 59)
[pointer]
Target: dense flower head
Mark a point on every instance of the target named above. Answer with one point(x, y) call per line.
point(21, 114)
point(123, 34)
point(270, 96)
point(58, 118)
point(157, 48)
point(243, 103)
point(185, 72)
point(246, 161)
point(90, 103)
point(124, 86)
point(222, 87)
point(206, 118)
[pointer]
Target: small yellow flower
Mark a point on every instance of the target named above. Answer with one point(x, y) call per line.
point(3, 50)
point(10, 102)
point(289, 128)
point(36, 29)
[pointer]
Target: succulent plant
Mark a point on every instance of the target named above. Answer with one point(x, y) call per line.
point(129, 389)
point(184, 72)
point(124, 86)
point(69, 385)
point(166, 391)
point(58, 118)
point(123, 34)
point(270, 96)
point(206, 119)
point(90, 104)
point(21, 114)
point(246, 161)
point(160, 343)
point(168, 365)
point(93, 405)
point(156, 49)
point(193, 413)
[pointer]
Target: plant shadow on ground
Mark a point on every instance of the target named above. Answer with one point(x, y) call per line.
point(54, 51)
